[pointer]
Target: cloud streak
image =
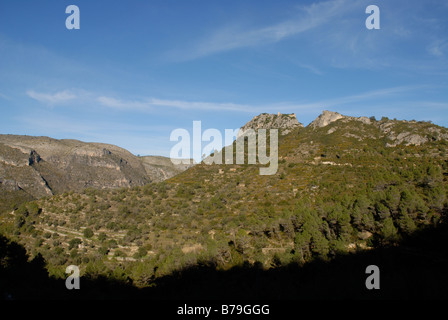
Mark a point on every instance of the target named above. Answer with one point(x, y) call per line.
point(149, 105)
point(206, 106)
point(124, 104)
point(52, 99)
point(438, 48)
point(146, 104)
point(335, 32)
point(234, 37)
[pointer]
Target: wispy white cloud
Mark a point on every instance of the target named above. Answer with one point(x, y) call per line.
point(149, 104)
point(438, 48)
point(52, 99)
point(124, 104)
point(146, 104)
point(335, 33)
point(206, 106)
point(395, 47)
point(234, 36)
point(310, 68)
point(371, 95)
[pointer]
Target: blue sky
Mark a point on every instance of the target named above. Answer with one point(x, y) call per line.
point(136, 70)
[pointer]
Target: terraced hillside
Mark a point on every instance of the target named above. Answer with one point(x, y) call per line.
point(343, 185)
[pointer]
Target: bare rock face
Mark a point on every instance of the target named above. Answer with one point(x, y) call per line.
point(284, 122)
point(328, 117)
point(325, 119)
point(18, 173)
point(411, 132)
point(43, 166)
point(407, 138)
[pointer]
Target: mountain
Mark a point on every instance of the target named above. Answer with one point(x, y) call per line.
point(344, 185)
point(34, 167)
point(66, 165)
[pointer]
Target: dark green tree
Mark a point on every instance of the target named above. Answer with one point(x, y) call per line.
point(88, 233)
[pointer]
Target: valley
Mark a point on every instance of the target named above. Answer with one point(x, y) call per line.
point(344, 186)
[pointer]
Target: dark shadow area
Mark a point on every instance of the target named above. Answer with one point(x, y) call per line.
point(416, 269)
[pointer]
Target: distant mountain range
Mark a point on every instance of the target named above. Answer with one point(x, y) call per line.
point(34, 167)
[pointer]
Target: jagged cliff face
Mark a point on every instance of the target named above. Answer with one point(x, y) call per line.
point(284, 122)
point(43, 166)
point(17, 171)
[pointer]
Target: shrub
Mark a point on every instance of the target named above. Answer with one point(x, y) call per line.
point(102, 236)
point(112, 243)
point(119, 253)
point(88, 233)
point(140, 253)
point(103, 251)
point(74, 243)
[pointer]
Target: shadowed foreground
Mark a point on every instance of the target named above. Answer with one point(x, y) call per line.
point(417, 269)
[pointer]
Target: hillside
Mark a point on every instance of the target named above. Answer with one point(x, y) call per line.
point(161, 168)
point(344, 185)
point(416, 269)
point(35, 167)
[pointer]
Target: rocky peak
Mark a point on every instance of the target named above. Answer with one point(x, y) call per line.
point(328, 117)
point(325, 119)
point(284, 122)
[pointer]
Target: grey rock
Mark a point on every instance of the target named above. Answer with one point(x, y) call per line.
point(328, 117)
point(284, 122)
point(325, 119)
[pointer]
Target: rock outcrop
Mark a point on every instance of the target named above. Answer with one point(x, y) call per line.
point(395, 131)
point(328, 117)
point(284, 122)
point(415, 133)
point(325, 119)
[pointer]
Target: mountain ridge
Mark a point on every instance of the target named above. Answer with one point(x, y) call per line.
point(341, 188)
point(42, 166)
point(39, 166)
